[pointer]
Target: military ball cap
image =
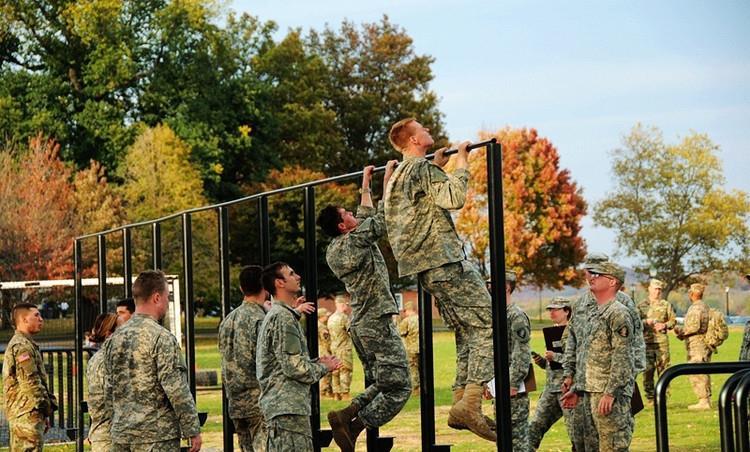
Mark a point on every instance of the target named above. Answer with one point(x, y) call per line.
point(559, 303)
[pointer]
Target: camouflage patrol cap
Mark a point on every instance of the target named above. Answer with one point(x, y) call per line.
point(658, 284)
point(559, 303)
point(511, 277)
point(323, 312)
point(593, 259)
point(697, 288)
point(608, 268)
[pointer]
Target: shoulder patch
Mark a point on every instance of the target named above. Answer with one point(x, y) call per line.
point(522, 333)
point(23, 357)
point(623, 331)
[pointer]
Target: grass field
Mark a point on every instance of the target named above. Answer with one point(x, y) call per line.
point(689, 431)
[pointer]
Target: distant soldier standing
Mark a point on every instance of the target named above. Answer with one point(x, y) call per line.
point(155, 407)
point(745, 349)
point(409, 330)
point(29, 404)
point(341, 348)
point(324, 349)
point(284, 368)
point(658, 318)
point(693, 333)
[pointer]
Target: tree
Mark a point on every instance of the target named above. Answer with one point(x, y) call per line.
point(543, 208)
point(670, 211)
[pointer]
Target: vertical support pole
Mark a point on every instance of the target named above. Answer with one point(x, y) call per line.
point(499, 312)
point(156, 246)
point(741, 431)
point(226, 287)
point(127, 262)
point(77, 261)
point(187, 263)
point(726, 422)
point(426, 372)
point(264, 231)
point(101, 247)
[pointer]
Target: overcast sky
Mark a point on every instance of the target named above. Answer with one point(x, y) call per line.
point(581, 73)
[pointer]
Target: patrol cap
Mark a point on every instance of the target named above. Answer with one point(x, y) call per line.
point(509, 277)
point(594, 258)
point(323, 312)
point(609, 269)
point(559, 303)
point(410, 305)
point(342, 299)
point(656, 284)
point(697, 288)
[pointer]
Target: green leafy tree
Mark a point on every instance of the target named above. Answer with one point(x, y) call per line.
point(670, 210)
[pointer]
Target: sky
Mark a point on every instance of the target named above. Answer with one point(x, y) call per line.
point(581, 73)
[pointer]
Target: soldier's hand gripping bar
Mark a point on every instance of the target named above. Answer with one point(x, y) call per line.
point(470, 147)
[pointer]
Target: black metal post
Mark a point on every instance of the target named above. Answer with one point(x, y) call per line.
point(156, 246)
point(741, 431)
point(660, 399)
point(77, 261)
point(264, 231)
point(226, 308)
point(499, 302)
point(127, 262)
point(187, 263)
point(725, 410)
point(101, 247)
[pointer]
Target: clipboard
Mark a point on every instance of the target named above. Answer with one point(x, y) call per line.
point(553, 341)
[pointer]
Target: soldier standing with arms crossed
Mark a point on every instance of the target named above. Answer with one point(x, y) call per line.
point(29, 404)
point(658, 319)
point(418, 201)
point(155, 408)
point(341, 348)
point(693, 333)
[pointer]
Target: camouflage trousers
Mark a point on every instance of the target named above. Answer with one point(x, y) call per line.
point(170, 445)
point(289, 433)
point(414, 370)
point(341, 379)
point(519, 422)
point(548, 411)
point(582, 429)
point(27, 432)
point(383, 357)
point(701, 383)
point(616, 428)
point(657, 361)
point(251, 432)
point(466, 307)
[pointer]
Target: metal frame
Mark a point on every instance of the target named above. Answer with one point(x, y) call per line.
point(497, 272)
point(726, 396)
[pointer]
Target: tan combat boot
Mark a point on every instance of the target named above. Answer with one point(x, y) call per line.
point(468, 411)
point(703, 404)
point(458, 394)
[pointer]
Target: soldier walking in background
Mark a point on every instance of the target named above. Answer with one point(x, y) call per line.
point(658, 318)
point(29, 404)
point(341, 348)
point(324, 349)
point(693, 332)
point(745, 349)
point(409, 330)
point(284, 368)
point(147, 378)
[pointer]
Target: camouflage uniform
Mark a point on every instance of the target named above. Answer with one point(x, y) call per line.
point(285, 373)
point(155, 408)
point(745, 350)
point(238, 335)
point(409, 330)
point(657, 342)
point(324, 349)
point(519, 335)
point(418, 199)
point(28, 401)
point(549, 408)
point(341, 348)
point(609, 371)
point(355, 259)
point(99, 410)
point(693, 332)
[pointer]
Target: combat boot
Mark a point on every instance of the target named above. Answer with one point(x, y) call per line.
point(468, 412)
point(455, 424)
point(345, 427)
point(703, 404)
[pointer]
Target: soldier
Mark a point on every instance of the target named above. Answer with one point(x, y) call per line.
point(355, 259)
point(418, 201)
point(519, 335)
point(549, 408)
point(238, 335)
point(125, 309)
point(745, 349)
point(693, 333)
point(658, 318)
point(29, 404)
point(324, 349)
point(409, 330)
point(284, 368)
point(96, 376)
point(341, 348)
point(155, 408)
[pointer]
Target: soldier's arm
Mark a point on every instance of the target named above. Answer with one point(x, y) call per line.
point(621, 370)
point(446, 190)
point(172, 374)
point(371, 225)
point(294, 363)
point(520, 356)
point(30, 379)
point(245, 345)
point(403, 328)
point(569, 356)
point(671, 317)
point(745, 350)
point(692, 322)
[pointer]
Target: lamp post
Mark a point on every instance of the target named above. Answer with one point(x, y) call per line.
point(726, 294)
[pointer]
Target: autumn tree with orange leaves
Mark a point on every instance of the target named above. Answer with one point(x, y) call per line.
point(543, 208)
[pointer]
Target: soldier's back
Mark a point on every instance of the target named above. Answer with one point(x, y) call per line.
point(338, 325)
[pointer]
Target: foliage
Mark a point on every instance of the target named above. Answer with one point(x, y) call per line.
point(543, 208)
point(670, 211)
